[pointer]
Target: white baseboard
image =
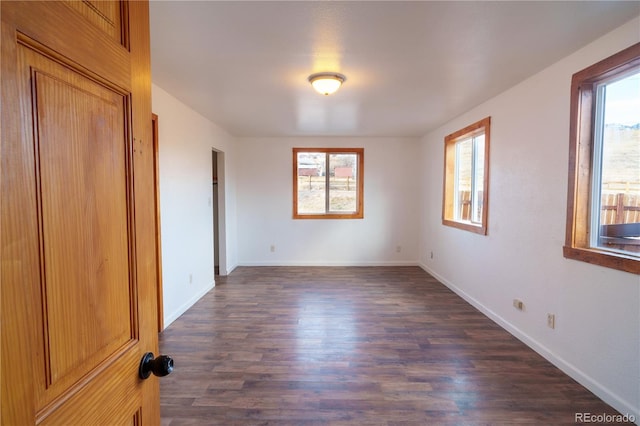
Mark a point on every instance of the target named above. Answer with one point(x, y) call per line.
point(604, 393)
point(168, 319)
point(323, 263)
point(228, 270)
point(231, 268)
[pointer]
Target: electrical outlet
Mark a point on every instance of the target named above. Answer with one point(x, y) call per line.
point(431, 255)
point(190, 278)
point(518, 304)
point(398, 249)
point(272, 248)
point(551, 320)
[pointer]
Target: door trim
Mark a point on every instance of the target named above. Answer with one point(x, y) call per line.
point(156, 184)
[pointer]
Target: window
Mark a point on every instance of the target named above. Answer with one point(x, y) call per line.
point(328, 183)
point(466, 178)
point(603, 210)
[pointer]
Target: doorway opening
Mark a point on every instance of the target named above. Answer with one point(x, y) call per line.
point(217, 168)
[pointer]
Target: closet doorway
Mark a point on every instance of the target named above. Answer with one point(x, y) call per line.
point(217, 183)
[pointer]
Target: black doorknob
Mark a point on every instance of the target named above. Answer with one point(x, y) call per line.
point(160, 366)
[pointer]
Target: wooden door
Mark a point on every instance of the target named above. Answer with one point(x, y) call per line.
point(77, 231)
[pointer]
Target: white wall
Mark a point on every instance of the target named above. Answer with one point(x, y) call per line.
point(265, 206)
point(597, 334)
point(186, 141)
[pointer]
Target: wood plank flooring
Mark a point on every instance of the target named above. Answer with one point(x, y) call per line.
point(354, 346)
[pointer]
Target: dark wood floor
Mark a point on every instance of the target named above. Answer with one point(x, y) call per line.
point(356, 346)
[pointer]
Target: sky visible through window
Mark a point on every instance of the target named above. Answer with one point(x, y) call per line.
point(623, 101)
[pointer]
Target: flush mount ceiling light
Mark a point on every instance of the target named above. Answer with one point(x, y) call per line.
point(326, 83)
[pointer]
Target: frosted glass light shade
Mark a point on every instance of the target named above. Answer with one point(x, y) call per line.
point(326, 83)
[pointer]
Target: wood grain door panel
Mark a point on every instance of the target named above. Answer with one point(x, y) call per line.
point(82, 176)
point(108, 396)
point(104, 15)
point(77, 240)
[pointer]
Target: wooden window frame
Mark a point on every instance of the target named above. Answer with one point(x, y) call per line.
point(448, 218)
point(359, 213)
point(583, 94)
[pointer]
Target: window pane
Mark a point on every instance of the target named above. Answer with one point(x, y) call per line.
point(465, 178)
point(328, 183)
point(311, 183)
point(342, 183)
point(463, 172)
point(618, 183)
point(478, 178)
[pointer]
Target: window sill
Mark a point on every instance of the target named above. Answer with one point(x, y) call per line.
point(467, 226)
point(617, 261)
point(329, 216)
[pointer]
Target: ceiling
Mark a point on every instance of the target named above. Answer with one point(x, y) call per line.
point(410, 66)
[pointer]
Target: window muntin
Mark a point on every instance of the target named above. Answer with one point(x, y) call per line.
point(466, 178)
point(603, 209)
point(328, 183)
